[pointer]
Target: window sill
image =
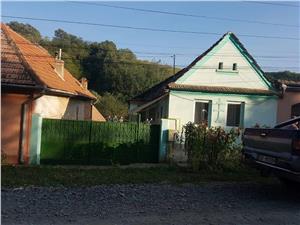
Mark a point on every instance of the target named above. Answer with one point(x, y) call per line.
point(227, 71)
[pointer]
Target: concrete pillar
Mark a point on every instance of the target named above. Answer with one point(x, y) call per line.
point(163, 140)
point(35, 139)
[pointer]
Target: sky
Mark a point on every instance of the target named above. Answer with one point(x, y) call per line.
point(272, 54)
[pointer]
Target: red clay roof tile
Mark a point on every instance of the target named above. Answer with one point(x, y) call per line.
point(41, 63)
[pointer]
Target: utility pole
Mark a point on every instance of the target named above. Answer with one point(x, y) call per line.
point(174, 63)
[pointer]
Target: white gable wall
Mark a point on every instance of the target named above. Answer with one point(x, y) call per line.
point(205, 72)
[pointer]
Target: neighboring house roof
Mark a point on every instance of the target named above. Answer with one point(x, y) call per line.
point(291, 86)
point(96, 115)
point(214, 89)
point(30, 64)
point(290, 83)
point(12, 69)
point(164, 86)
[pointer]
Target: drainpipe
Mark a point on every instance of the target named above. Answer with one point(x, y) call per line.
point(24, 109)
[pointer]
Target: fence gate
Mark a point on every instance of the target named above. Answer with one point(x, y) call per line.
point(98, 143)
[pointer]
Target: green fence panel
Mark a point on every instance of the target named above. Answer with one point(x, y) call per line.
point(98, 143)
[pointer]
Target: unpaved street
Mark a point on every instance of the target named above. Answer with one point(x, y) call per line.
point(211, 203)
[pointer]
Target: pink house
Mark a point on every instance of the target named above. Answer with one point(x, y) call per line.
point(289, 103)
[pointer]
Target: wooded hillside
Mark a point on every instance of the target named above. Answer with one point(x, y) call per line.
point(115, 75)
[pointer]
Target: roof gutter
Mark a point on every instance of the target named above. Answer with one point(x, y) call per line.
point(66, 93)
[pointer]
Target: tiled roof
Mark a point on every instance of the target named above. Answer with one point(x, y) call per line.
point(220, 89)
point(41, 65)
point(162, 87)
point(12, 69)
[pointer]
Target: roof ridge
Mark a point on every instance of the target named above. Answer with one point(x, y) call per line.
point(197, 59)
point(182, 71)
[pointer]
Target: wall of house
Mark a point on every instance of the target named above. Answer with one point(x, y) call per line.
point(206, 72)
point(261, 110)
point(285, 105)
point(63, 108)
point(11, 105)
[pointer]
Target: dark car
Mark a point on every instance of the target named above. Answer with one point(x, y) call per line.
point(275, 150)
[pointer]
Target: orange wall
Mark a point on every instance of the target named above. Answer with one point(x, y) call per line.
point(10, 127)
point(285, 105)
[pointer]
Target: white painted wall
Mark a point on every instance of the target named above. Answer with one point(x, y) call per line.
point(261, 110)
point(62, 108)
point(205, 72)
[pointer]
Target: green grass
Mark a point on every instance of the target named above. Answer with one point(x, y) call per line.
point(16, 176)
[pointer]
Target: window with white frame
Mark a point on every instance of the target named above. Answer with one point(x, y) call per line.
point(234, 114)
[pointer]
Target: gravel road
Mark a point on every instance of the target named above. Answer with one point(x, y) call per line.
point(211, 203)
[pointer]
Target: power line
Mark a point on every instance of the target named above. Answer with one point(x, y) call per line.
point(159, 54)
point(184, 14)
point(146, 28)
point(39, 57)
point(272, 3)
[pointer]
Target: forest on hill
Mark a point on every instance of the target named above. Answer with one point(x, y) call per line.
point(115, 75)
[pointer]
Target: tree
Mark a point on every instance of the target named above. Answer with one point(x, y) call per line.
point(284, 75)
point(28, 31)
point(110, 105)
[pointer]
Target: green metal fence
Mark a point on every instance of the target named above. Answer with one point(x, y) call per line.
point(98, 143)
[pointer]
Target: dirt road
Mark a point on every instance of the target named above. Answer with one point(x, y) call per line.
point(211, 203)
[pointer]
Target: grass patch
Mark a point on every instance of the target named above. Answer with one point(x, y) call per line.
point(17, 176)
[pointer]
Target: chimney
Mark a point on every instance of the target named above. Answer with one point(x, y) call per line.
point(59, 64)
point(84, 82)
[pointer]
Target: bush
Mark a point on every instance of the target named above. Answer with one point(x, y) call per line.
point(211, 148)
point(3, 157)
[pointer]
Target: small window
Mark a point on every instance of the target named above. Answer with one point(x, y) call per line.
point(201, 112)
point(220, 65)
point(233, 115)
point(234, 66)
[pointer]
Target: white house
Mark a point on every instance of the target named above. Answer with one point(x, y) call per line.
point(223, 87)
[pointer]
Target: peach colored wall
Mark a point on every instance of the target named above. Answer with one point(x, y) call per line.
point(10, 127)
point(285, 105)
point(63, 108)
point(96, 115)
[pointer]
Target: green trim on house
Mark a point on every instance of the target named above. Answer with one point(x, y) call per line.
point(227, 38)
point(242, 115)
point(209, 113)
point(221, 93)
point(257, 70)
point(228, 72)
point(203, 60)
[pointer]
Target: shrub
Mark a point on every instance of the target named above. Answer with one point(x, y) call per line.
point(210, 148)
point(3, 157)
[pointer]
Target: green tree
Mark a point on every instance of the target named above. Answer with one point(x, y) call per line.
point(284, 75)
point(110, 105)
point(26, 30)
